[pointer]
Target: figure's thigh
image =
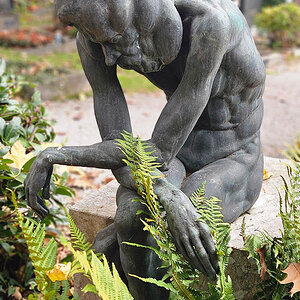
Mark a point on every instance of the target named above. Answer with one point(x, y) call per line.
point(127, 221)
point(236, 180)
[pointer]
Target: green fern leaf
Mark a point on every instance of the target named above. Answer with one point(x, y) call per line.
point(90, 288)
point(48, 257)
point(160, 283)
point(77, 236)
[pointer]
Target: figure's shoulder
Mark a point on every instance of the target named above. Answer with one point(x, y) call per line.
point(202, 12)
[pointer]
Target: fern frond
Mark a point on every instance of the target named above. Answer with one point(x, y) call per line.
point(106, 284)
point(77, 237)
point(160, 283)
point(210, 212)
point(43, 258)
point(65, 288)
point(47, 256)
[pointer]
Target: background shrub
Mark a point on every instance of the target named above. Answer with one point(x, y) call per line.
point(24, 132)
point(281, 23)
point(272, 2)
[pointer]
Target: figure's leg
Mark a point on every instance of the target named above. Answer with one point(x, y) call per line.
point(236, 180)
point(139, 261)
point(106, 242)
point(134, 260)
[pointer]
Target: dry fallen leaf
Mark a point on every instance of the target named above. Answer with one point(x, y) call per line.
point(293, 276)
point(18, 155)
point(59, 272)
point(267, 174)
point(76, 170)
point(262, 255)
point(80, 182)
point(17, 294)
point(108, 180)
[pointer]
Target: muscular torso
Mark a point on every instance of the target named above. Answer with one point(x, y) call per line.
point(233, 115)
point(217, 72)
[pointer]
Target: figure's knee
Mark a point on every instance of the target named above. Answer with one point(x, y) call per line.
point(127, 221)
point(213, 185)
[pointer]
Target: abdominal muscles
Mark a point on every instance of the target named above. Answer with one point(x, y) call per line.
point(225, 126)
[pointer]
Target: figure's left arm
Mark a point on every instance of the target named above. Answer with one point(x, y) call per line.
point(209, 42)
point(210, 37)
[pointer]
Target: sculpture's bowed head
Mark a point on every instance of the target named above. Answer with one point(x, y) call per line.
point(140, 35)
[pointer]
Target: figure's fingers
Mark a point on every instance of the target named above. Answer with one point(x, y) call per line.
point(192, 258)
point(181, 248)
point(34, 203)
point(46, 188)
point(209, 245)
point(42, 203)
point(202, 256)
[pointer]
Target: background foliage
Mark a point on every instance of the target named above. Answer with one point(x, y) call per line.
point(24, 132)
point(274, 255)
point(281, 23)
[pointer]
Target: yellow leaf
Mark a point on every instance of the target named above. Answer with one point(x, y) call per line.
point(18, 155)
point(267, 174)
point(293, 276)
point(59, 272)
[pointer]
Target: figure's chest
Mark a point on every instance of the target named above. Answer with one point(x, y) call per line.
point(171, 75)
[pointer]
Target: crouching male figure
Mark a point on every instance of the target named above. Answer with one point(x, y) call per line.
point(201, 54)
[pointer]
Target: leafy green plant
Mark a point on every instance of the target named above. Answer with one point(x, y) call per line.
point(24, 130)
point(180, 278)
point(282, 24)
point(43, 257)
point(105, 283)
point(273, 255)
point(54, 285)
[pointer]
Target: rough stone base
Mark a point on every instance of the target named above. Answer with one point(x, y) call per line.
point(97, 210)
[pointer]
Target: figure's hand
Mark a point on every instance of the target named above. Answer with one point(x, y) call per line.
point(192, 238)
point(39, 178)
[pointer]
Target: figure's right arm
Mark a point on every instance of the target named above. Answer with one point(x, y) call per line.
point(112, 118)
point(109, 102)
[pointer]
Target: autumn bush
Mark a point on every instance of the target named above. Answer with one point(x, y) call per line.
point(24, 132)
point(24, 38)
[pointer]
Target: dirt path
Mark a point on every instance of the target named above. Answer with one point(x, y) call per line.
point(281, 124)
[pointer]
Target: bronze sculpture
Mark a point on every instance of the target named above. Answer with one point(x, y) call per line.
point(202, 55)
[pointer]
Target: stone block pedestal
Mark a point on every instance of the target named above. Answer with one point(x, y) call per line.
point(97, 210)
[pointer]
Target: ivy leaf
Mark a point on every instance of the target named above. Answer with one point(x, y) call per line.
point(18, 155)
point(293, 276)
point(262, 255)
point(11, 130)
